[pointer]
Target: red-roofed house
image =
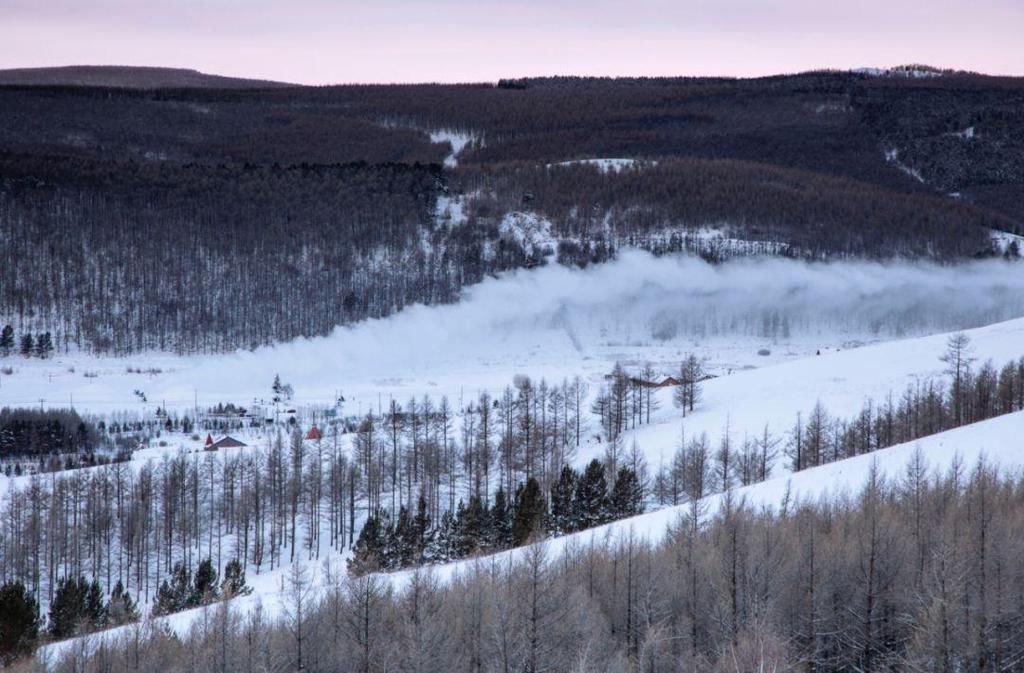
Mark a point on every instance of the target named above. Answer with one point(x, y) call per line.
point(226, 442)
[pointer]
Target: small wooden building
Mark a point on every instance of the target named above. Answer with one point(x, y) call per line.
point(226, 442)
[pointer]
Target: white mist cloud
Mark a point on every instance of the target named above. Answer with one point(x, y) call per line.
point(554, 317)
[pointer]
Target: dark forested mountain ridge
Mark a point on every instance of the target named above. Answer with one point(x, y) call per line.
point(201, 217)
point(140, 77)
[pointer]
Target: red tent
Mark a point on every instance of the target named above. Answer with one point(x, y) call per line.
point(314, 434)
point(209, 442)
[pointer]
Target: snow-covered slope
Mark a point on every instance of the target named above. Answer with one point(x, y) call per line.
point(997, 441)
point(843, 379)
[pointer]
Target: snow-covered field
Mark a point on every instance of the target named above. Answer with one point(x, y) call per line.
point(552, 322)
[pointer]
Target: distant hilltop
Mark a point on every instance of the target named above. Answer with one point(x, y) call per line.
point(911, 70)
point(129, 77)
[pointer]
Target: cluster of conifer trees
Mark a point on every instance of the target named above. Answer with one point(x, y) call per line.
point(37, 434)
point(183, 591)
point(78, 606)
point(575, 502)
point(41, 345)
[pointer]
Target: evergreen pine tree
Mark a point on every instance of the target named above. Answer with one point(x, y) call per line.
point(368, 554)
point(421, 528)
point(441, 547)
point(404, 543)
point(44, 345)
point(590, 503)
point(27, 345)
point(388, 541)
point(94, 609)
point(204, 589)
point(174, 596)
point(530, 511)
point(627, 496)
point(561, 501)
point(19, 622)
point(68, 608)
point(467, 527)
point(121, 609)
point(501, 521)
point(6, 342)
point(233, 583)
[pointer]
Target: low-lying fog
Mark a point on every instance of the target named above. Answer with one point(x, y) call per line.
point(555, 321)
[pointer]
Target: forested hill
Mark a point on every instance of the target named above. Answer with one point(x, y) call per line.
point(136, 77)
point(173, 212)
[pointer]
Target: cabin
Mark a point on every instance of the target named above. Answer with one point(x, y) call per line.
point(667, 382)
point(314, 434)
point(225, 442)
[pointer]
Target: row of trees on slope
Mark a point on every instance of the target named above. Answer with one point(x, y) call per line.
point(925, 408)
point(701, 466)
point(915, 572)
point(116, 523)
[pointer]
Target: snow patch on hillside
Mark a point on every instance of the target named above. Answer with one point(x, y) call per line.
point(607, 165)
point(966, 134)
point(1003, 240)
point(456, 139)
point(720, 239)
point(450, 211)
point(893, 157)
point(531, 231)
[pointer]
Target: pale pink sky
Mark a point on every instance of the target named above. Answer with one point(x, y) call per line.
point(330, 41)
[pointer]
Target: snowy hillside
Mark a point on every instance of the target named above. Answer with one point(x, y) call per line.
point(997, 441)
point(746, 400)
